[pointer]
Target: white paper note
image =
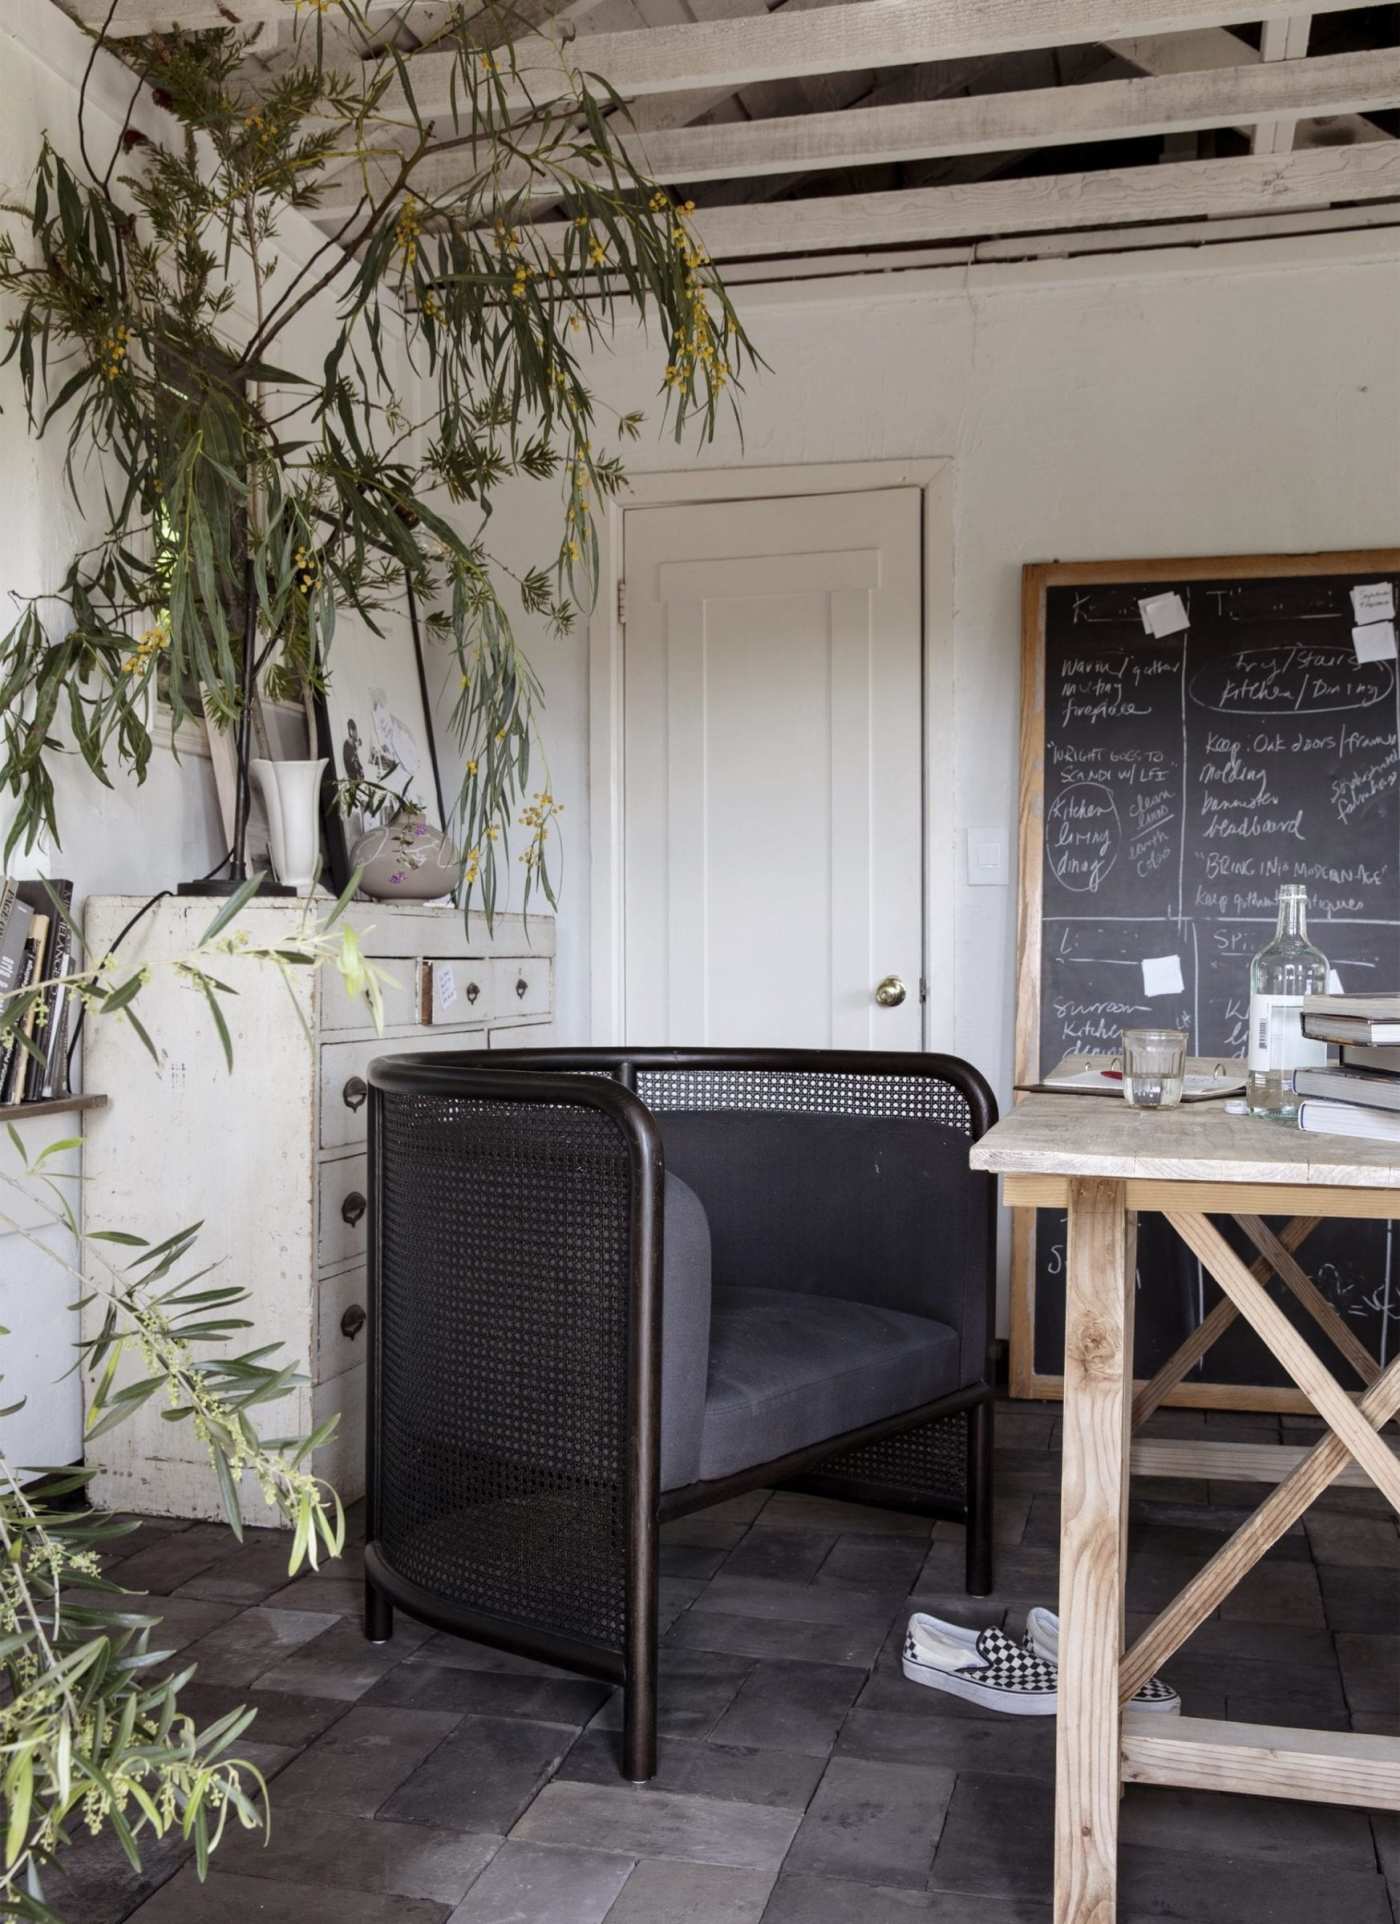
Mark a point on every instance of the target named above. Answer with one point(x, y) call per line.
point(1374, 642)
point(1373, 601)
point(444, 986)
point(1161, 975)
point(1163, 614)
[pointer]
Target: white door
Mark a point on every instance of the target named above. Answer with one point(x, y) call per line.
point(773, 872)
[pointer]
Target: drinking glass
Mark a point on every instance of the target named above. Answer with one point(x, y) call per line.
point(1154, 1067)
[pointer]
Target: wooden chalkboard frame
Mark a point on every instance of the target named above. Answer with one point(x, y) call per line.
point(1037, 578)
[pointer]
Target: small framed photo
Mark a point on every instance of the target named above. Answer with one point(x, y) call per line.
point(372, 727)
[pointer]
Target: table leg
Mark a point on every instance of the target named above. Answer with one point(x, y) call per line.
point(1097, 1418)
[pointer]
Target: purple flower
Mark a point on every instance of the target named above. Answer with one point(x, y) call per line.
point(398, 876)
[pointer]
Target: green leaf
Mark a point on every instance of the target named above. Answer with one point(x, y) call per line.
point(235, 904)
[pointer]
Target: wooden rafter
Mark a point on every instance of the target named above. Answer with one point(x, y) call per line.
point(982, 123)
point(892, 33)
point(1256, 184)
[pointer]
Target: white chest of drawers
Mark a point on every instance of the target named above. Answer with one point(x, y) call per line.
point(271, 1157)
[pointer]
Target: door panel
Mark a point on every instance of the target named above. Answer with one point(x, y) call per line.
point(773, 771)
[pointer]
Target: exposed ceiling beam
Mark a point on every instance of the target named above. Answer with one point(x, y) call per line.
point(978, 123)
point(1256, 184)
point(1214, 47)
point(887, 33)
point(1280, 40)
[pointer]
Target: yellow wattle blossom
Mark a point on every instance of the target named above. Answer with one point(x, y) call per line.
point(150, 642)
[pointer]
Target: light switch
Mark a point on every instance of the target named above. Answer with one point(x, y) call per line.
point(988, 859)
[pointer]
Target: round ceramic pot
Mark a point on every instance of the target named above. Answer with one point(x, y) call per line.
point(406, 859)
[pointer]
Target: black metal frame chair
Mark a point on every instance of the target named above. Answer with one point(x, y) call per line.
point(513, 1434)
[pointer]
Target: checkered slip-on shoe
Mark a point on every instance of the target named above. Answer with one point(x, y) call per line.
point(1043, 1640)
point(980, 1666)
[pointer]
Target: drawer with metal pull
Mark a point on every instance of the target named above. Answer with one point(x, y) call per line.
point(341, 1208)
point(340, 1321)
point(522, 985)
point(461, 989)
point(345, 1089)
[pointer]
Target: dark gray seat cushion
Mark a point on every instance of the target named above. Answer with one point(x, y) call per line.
point(685, 1332)
point(790, 1369)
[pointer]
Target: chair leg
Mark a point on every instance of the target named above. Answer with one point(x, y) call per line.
point(639, 1729)
point(379, 1614)
point(979, 1500)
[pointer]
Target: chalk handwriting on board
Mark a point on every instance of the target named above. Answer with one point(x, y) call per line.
point(1290, 680)
point(1082, 834)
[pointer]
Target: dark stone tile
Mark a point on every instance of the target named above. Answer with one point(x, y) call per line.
point(997, 1839)
point(874, 1821)
point(361, 1854)
point(1370, 1671)
point(545, 1884)
point(791, 1556)
point(92, 1883)
point(182, 1621)
point(249, 1575)
point(696, 1687)
point(1299, 1695)
point(325, 1591)
point(362, 1759)
point(659, 1823)
point(281, 1719)
point(1028, 1428)
point(890, 1690)
point(1364, 1600)
point(1385, 1826)
point(689, 1560)
point(459, 1653)
point(549, 1700)
point(800, 1604)
point(774, 1637)
point(794, 1510)
point(746, 1776)
point(230, 1899)
point(790, 1707)
point(1023, 1576)
point(1367, 1543)
point(1272, 1643)
point(1276, 1593)
point(1194, 1888)
point(238, 1651)
point(346, 1681)
point(1010, 1515)
point(345, 1642)
point(802, 1899)
point(672, 1892)
point(871, 1562)
point(483, 1776)
point(674, 1596)
point(703, 1532)
point(1308, 1836)
point(174, 1557)
point(1011, 1746)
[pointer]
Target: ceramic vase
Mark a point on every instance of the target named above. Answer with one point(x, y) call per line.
point(406, 859)
point(291, 793)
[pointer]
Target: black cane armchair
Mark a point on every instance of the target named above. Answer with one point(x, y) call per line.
point(607, 1288)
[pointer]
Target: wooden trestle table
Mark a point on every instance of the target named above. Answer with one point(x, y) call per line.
point(1105, 1162)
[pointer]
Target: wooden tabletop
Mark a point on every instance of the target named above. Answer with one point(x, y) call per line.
point(1198, 1142)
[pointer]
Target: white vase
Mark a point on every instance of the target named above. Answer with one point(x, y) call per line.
point(291, 793)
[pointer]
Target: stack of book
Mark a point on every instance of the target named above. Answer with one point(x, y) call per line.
point(36, 949)
point(1357, 1092)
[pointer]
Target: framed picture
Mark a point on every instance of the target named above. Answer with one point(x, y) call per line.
point(373, 726)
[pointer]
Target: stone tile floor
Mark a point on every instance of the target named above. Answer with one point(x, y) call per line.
point(802, 1780)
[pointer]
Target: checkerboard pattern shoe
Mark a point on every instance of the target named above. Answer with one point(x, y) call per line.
point(1043, 1640)
point(980, 1666)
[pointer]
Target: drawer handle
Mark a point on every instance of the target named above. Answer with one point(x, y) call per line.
point(522, 988)
point(473, 991)
point(354, 1093)
point(353, 1208)
point(352, 1322)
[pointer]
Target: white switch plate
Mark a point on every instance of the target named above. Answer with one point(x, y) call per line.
point(988, 858)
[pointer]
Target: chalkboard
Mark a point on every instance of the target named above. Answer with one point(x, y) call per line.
point(1170, 781)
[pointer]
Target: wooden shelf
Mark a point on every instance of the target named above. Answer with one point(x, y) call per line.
point(18, 1111)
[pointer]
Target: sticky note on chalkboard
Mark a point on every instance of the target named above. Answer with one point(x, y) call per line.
point(1161, 975)
point(1163, 614)
point(1375, 641)
point(1373, 601)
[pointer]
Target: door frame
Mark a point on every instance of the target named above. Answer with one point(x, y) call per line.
point(606, 758)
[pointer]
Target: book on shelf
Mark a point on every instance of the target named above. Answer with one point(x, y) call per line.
point(1323, 1118)
point(1335, 1082)
point(1367, 1019)
point(49, 1078)
point(19, 1058)
point(15, 918)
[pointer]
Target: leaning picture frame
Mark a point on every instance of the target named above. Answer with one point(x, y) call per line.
point(372, 725)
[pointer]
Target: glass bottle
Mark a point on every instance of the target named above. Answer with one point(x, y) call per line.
point(1283, 972)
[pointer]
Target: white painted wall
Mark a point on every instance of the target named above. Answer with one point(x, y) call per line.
point(1231, 401)
point(129, 839)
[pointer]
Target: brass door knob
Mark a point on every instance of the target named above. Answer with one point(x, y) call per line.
point(891, 992)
